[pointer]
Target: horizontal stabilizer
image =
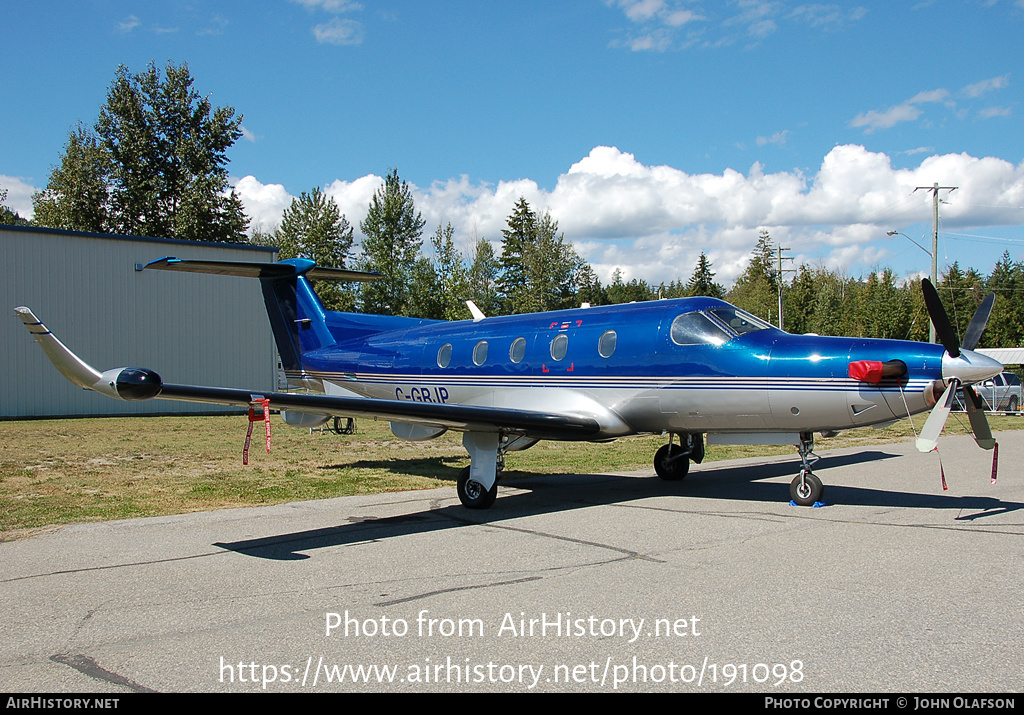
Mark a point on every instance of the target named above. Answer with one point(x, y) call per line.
point(287, 269)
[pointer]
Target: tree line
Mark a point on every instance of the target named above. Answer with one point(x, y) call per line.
point(155, 163)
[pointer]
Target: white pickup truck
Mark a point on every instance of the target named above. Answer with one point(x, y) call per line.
point(1001, 393)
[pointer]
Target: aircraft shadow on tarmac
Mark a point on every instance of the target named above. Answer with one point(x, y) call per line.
point(559, 493)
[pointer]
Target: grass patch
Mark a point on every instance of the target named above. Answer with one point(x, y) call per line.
point(65, 471)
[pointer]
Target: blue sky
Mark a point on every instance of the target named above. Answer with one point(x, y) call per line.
point(651, 129)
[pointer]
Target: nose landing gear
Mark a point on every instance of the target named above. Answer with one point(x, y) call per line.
point(806, 489)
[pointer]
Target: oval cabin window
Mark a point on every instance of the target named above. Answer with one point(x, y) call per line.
point(517, 352)
point(444, 355)
point(559, 346)
point(480, 353)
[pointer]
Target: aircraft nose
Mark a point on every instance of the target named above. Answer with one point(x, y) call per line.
point(969, 367)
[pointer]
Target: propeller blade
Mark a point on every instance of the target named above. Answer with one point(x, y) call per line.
point(973, 333)
point(979, 423)
point(929, 438)
point(936, 311)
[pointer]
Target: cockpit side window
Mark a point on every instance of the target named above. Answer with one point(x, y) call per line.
point(697, 329)
point(738, 321)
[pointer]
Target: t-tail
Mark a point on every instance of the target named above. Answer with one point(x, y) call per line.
point(298, 319)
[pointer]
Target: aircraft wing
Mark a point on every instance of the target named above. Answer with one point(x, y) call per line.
point(130, 383)
point(542, 425)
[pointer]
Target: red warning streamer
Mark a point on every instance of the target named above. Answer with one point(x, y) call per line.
point(942, 472)
point(995, 461)
point(265, 417)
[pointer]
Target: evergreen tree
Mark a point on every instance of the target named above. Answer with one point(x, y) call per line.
point(832, 312)
point(517, 241)
point(798, 302)
point(313, 227)
point(756, 290)
point(423, 299)
point(702, 282)
point(1006, 324)
point(552, 270)
point(539, 270)
point(483, 277)
point(590, 290)
point(452, 276)
point(619, 291)
point(961, 293)
point(392, 231)
point(882, 308)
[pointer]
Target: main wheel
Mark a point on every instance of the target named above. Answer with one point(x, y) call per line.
point(807, 493)
point(669, 469)
point(472, 494)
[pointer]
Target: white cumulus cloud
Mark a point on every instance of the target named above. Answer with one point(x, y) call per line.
point(652, 221)
point(19, 194)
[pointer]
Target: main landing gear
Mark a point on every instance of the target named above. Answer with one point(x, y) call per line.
point(472, 494)
point(806, 489)
point(672, 461)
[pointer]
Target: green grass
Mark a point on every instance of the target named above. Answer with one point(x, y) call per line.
point(66, 471)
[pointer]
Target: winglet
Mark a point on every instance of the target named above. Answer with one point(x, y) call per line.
point(70, 365)
point(121, 383)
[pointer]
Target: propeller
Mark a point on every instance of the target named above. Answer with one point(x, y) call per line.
point(947, 336)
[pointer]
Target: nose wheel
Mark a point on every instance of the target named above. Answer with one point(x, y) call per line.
point(806, 489)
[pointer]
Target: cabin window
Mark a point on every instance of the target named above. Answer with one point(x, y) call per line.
point(559, 346)
point(444, 355)
point(517, 352)
point(480, 353)
point(697, 329)
point(606, 343)
point(737, 321)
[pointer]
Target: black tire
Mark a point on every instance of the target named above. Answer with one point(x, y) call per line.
point(668, 470)
point(1012, 407)
point(472, 494)
point(806, 494)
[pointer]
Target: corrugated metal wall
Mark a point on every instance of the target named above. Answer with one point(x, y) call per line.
point(190, 328)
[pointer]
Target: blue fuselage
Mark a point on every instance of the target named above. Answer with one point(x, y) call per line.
point(669, 365)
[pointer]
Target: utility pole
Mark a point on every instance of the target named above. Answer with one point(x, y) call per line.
point(781, 272)
point(935, 189)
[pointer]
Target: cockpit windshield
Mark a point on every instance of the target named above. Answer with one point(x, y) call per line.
point(716, 326)
point(697, 329)
point(738, 321)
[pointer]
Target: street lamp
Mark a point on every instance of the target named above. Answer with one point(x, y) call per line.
point(935, 271)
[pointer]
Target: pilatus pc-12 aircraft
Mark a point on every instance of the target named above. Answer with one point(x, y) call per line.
point(689, 368)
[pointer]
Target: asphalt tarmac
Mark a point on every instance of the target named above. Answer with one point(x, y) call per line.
point(597, 583)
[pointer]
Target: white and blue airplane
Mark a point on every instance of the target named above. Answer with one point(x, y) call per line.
point(694, 369)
